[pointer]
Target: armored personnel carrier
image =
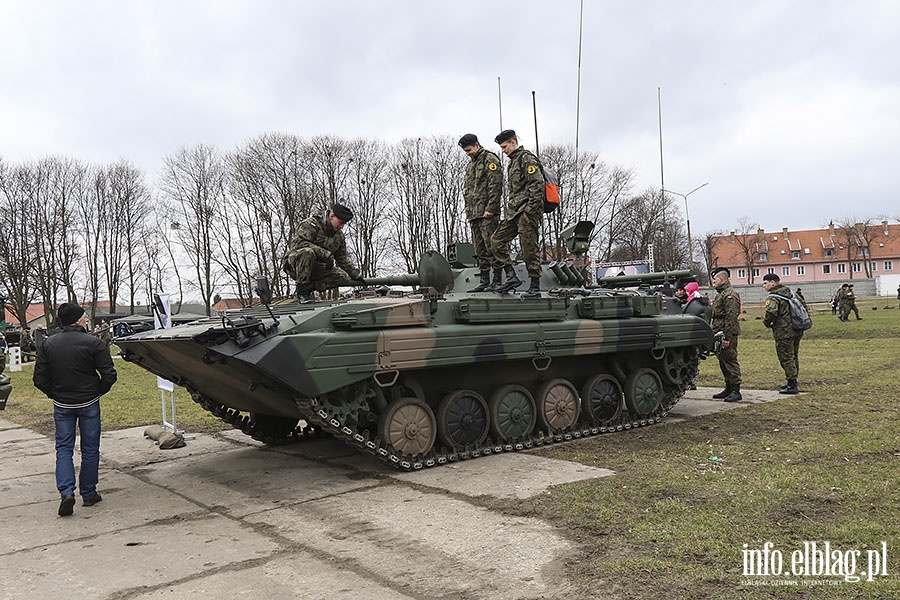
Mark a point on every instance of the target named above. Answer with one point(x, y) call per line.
point(438, 374)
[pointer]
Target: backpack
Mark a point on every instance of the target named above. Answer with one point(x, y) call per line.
point(551, 186)
point(800, 319)
point(551, 189)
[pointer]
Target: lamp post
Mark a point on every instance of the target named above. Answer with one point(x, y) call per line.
point(687, 218)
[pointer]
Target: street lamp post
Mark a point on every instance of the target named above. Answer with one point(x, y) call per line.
point(687, 218)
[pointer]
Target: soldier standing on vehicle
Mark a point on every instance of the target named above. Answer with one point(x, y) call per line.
point(317, 258)
point(523, 214)
point(483, 191)
point(726, 311)
point(787, 339)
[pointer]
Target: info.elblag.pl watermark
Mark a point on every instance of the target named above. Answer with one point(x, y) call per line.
point(824, 563)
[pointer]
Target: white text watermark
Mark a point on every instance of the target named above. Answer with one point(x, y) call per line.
point(815, 559)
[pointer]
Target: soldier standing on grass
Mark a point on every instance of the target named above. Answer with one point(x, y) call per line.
point(483, 191)
point(851, 304)
point(726, 310)
point(843, 303)
point(787, 339)
point(523, 214)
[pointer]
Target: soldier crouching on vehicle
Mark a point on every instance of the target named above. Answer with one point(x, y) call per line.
point(317, 258)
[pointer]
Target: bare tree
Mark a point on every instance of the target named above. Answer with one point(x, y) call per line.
point(707, 244)
point(590, 190)
point(413, 227)
point(194, 183)
point(751, 243)
point(18, 254)
point(92, 212)
point(129, 205)
point(368, 180)
point(645, 222)
point(270, 182)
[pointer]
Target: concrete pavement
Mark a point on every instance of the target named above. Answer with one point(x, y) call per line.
point(227, 516)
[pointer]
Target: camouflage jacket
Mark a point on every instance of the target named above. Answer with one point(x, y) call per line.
point(778, 313)
point(317, 233)
point(526, 184)
point(842, 297)
point(726, 309)
point(484, 185)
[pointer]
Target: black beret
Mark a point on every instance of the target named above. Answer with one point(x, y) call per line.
point(771, 277)
point(68, 313)
point(721, 270)
point(506, 134)
point(470, 139)
point(342, 212)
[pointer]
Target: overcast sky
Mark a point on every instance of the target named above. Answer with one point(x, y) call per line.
point(790, 110)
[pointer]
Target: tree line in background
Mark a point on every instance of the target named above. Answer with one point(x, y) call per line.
point(215, 221)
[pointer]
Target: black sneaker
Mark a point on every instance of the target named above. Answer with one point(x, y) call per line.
point(92, 500)
point(66, 505)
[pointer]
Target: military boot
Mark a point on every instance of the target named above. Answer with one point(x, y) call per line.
point(724, 393)
point(304, 293)
point(512, 281)
point(735, 394)
point(485, 282)
point(791, 387)
point(534, 290)
point(497, 281)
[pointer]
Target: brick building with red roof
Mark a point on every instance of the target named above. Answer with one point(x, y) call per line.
point(833, 254)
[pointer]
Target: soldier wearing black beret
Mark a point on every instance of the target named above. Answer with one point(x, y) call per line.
point(524, 212)
point(482, 192)
point(317, 257)
point(726, 310)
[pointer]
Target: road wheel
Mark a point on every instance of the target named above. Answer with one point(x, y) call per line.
point(643, 392)
point(558, 405)
point(462, 418)
point(512, 412)
point(408, 425)
point(601, 400)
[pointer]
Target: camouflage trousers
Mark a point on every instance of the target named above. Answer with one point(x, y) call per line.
point(302, 266)
point(728, 363)
point(788, 351)
point(526, 225)
point(482, 230)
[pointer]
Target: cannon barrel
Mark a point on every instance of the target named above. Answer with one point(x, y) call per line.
point(410, 279)
point(655, 278)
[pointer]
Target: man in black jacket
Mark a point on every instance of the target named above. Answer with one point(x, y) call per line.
point(74, 369)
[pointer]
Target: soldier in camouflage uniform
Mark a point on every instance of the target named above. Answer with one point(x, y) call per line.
point(483, 190)
point(851, 304)
point(726, 310)
point(523, 214)
point(317, 258)
point(787, 339)
point(843, 306)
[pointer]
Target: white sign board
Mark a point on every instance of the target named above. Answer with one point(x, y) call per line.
point(162, 319)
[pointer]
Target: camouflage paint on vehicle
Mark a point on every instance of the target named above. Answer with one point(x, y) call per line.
point(438, 375)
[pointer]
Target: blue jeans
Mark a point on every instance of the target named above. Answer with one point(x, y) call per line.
point(88, 421)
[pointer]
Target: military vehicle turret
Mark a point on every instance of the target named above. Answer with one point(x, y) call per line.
point(437, 374)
